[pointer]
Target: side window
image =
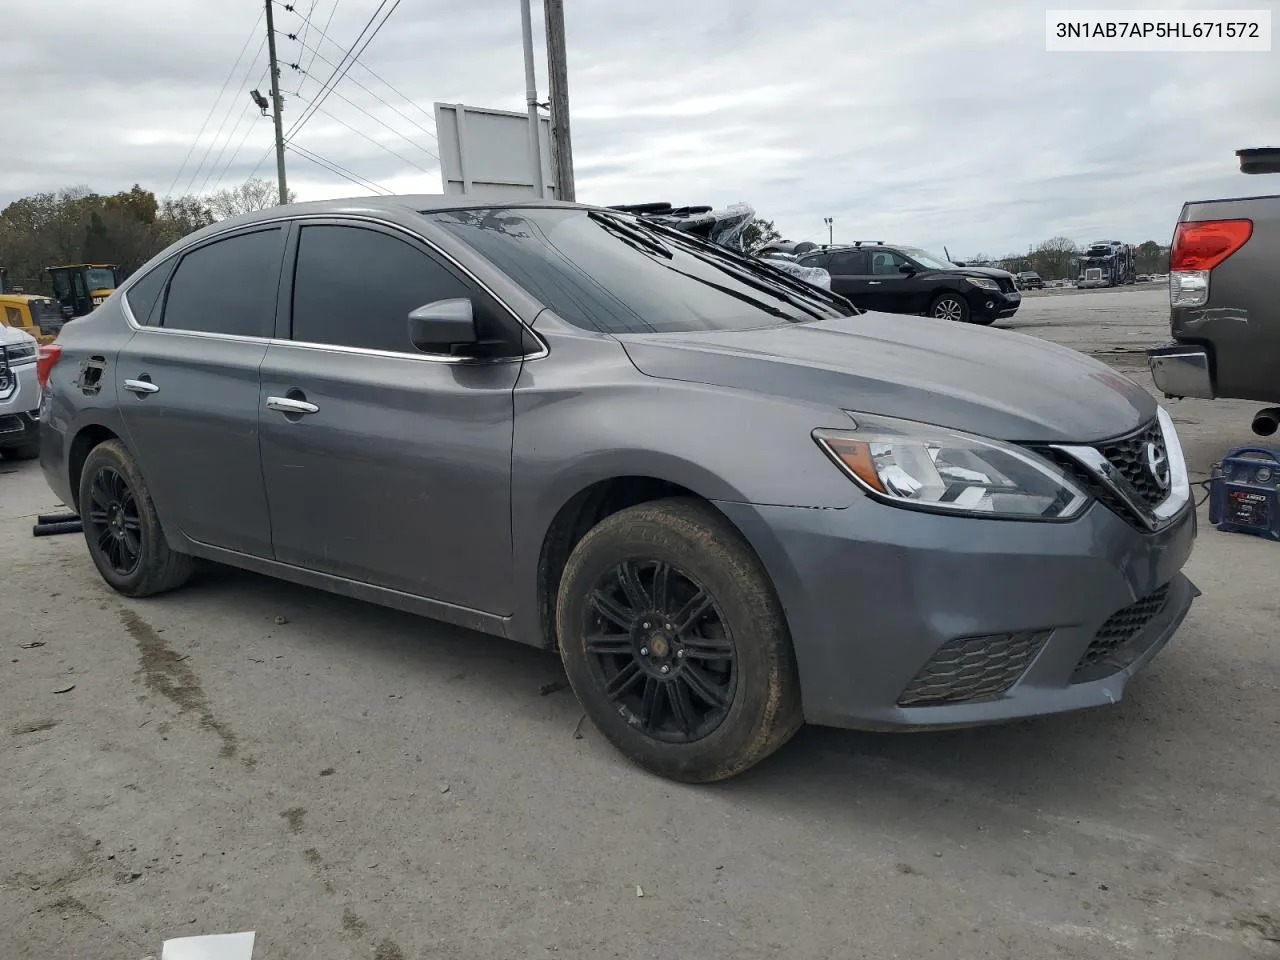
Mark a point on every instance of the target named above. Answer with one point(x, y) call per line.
point(13, 316)
point(144, 295)
point(849, 263)
point(228, 286)
point(77, 283)
point(815, 260)
point(885, 263)
point(61, 285)
point(355, 287)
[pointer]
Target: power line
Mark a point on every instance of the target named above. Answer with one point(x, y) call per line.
point(350, 57)
point(230, 108)
point(306, 28)
point(398, 113)
point(240, 146)
point(209, 116)
point(368, 69)
point(329, 20)
point(376, 143)
point(340, 170)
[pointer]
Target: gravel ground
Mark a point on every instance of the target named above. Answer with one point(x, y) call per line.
point(351, 782)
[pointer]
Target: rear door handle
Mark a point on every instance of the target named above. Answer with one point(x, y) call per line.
point(290, 405)
point(141, 387)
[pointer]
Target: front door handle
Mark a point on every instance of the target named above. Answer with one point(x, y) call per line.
point(141, 387)
point(873, 283)
point(290, 405)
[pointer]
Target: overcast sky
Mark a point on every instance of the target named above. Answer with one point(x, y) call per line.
point(926, 121)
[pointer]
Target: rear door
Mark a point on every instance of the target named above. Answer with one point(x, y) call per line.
point(188, 391)
point(850, 276)
point(397, 471)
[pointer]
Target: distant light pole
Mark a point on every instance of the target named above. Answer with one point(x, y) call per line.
point(831, 230)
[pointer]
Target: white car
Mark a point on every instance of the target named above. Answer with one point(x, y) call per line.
point(19, 395)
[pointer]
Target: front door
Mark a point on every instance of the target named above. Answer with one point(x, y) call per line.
point(890, 289)
point(188, 389)
point(384, 464)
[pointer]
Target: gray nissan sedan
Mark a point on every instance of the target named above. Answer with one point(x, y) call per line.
point(733, 502)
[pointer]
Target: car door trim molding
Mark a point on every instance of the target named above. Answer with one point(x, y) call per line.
point(543, 349)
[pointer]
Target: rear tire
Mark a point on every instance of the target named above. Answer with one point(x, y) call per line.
point(28, 451)
point(122, 529)
point(950, 306)
point(675, 643)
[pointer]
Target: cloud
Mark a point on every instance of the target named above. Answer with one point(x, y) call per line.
point(932, 122)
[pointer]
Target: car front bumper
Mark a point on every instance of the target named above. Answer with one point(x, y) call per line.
point(989, 303)
point(892, 611)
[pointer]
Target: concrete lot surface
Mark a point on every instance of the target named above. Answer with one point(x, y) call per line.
point(355, 783)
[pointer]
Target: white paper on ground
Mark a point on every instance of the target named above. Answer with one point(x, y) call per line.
point(217, 946)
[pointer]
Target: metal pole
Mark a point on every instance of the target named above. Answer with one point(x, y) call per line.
point(276, 105)
point(531, 97)
point(558, 81)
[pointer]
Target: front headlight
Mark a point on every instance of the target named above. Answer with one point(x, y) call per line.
point(983, 283)
point(938, 469)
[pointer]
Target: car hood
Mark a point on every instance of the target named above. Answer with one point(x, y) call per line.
point(991, 272)
point(994, 383)
point(14, 335)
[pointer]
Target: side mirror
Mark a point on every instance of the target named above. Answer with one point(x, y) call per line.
point(440, 326)
point(907, 269)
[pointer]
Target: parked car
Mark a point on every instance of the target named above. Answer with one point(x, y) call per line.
point(1223, 313)
point(731, 500)
point(19, 395)
point(898, 279)
point(1030, 280)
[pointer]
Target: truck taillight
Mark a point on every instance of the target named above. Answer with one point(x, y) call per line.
point(49, 354)
point(1198, 247)
point(1205, 244)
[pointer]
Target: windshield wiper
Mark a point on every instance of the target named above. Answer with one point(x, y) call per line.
point(630, 232)
point(727, 260)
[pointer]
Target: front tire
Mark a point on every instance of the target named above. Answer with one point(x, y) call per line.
point(122, 529)
point(675, 643)
point(950, 306)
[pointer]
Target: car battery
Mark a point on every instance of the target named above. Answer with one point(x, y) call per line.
point(1244, 492)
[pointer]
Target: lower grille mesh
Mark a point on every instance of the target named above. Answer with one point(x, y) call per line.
point(973, 668)
point(1107, 651)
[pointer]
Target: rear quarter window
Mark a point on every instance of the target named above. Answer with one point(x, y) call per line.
point(143, 296)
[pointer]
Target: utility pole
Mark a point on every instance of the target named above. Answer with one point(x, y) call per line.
point(558, 80)
point(276, 104)
point(831, 230)
point(531, 98)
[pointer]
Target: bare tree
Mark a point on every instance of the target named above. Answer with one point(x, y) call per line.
point(254, 194)
point(1053, 258)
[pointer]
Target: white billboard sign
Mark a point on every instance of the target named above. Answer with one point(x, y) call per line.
point(485, 153)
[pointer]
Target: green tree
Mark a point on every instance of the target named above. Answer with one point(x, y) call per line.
point(757, 233)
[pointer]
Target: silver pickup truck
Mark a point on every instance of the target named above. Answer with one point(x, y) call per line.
point(1224, 297)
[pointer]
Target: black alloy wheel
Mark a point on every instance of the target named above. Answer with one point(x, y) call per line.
point(113, 520)
point(121, 527)
point(675, 642)
point(661, 650)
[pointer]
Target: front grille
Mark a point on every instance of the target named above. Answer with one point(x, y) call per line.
point(1128, 455)
point(1006, 284)
point(972, 668)
point(1111, 649)
point(11, 423)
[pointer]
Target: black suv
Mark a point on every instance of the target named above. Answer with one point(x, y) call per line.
point(894, 279)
